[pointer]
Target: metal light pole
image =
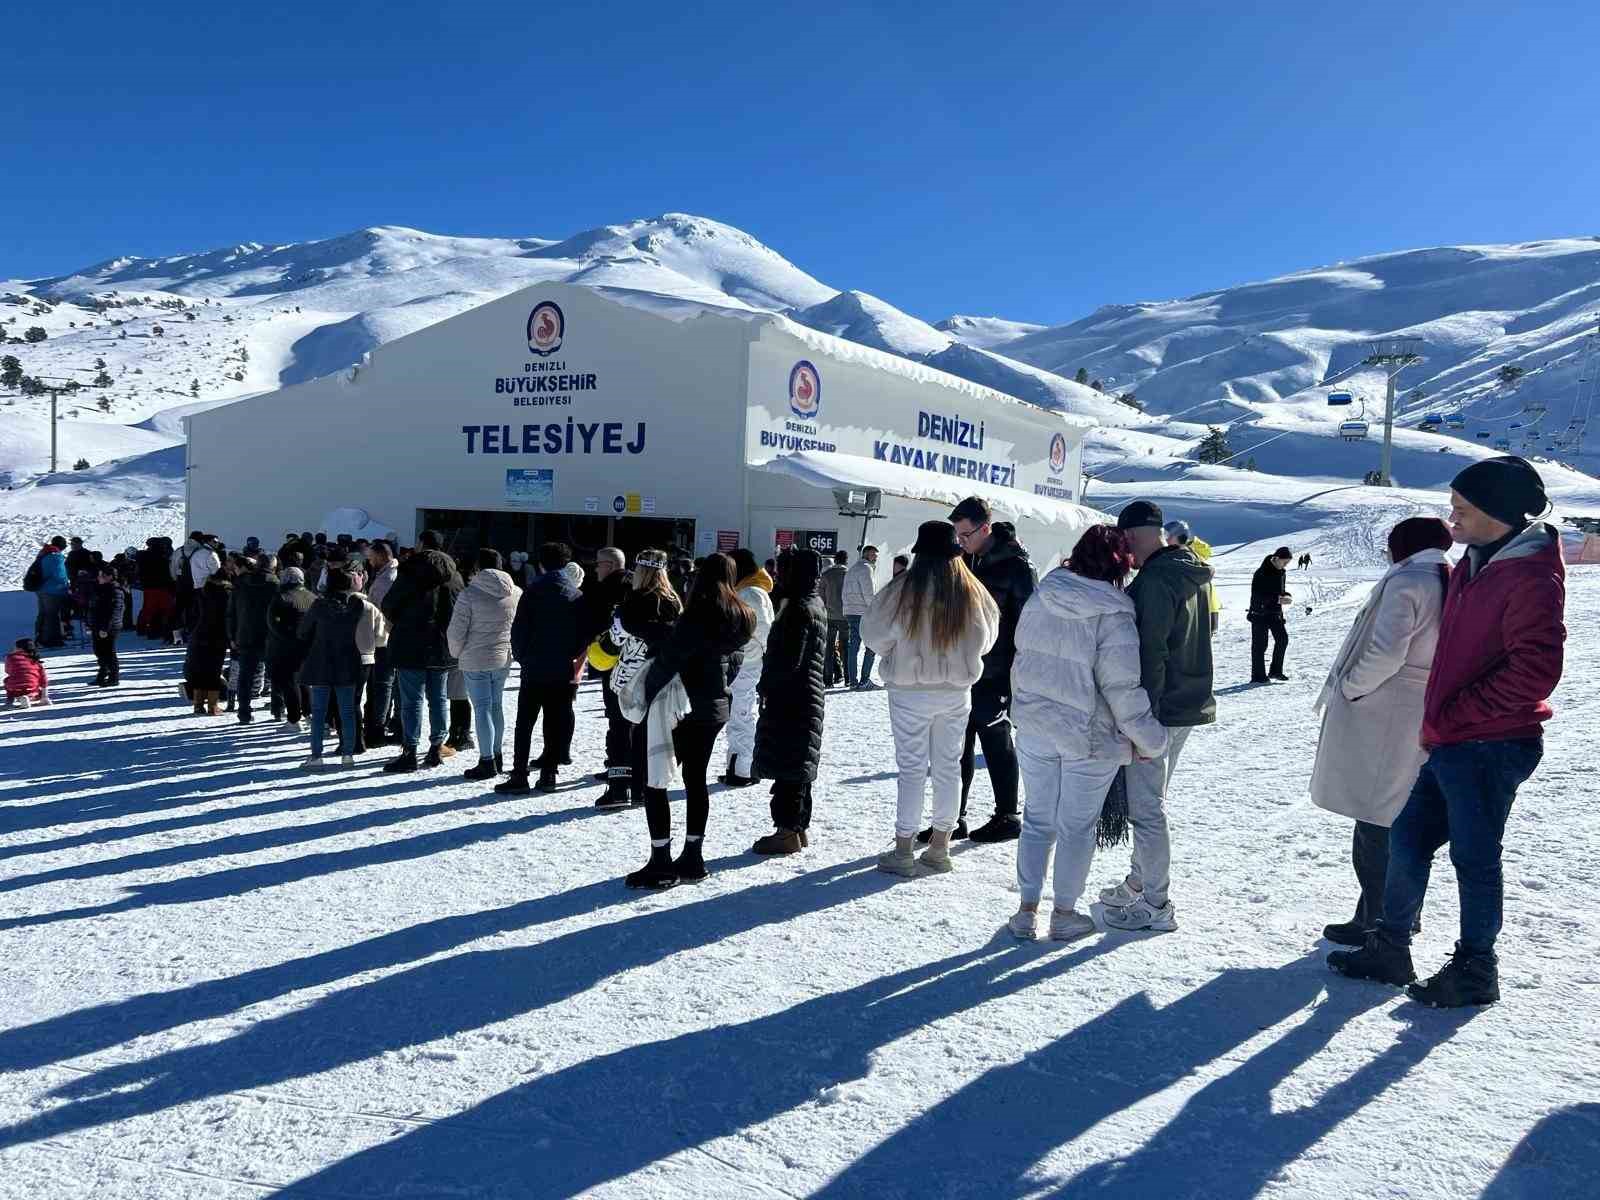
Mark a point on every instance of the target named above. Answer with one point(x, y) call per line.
point(55, 385)
point(1393, 355)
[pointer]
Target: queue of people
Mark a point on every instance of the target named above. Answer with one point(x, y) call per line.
point(1082, 688)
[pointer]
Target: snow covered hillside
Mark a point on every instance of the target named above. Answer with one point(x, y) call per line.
point(148, 339)
point(225, 978)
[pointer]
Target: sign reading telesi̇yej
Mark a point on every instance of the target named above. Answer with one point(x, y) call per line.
point(546, 382)
point(809, 403)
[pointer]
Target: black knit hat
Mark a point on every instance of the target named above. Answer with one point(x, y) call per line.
point(1141, 514)
point(1507, 488)
point(937, 539)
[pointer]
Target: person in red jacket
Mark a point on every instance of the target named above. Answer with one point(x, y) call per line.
point(1499, 658)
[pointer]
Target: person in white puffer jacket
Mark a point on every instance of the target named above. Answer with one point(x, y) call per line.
point(479, 638)
point(930, 628)
point(1080, 716)
point(754, 588)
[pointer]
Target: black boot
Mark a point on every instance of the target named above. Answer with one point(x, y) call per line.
point(658, 873)
point(460, 725)
point(616, 795)
point(1466, 979)
point(405, 763)
point(484, 770)
point(1002, 827)
point(514, 785)
point(499, 764)
point(547, 779)
point(1378, 959)
point(1346, 933)
point(957, 834)
point(690, 866)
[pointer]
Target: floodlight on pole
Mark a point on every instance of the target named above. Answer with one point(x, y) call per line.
point(1393, 355)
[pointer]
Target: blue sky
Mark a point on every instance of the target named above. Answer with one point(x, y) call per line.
point(1031, 161)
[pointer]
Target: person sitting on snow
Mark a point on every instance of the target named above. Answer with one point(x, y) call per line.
point(26, 681)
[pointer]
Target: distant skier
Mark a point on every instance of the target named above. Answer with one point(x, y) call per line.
point(1269, 596)
point(1305, 561)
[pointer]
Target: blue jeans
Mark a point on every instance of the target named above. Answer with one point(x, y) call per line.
point(855, 647)
point(486, 689)
point(347, 716)
point(1463, 796)
point(413, 682)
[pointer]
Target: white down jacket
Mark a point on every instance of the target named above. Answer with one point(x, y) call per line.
point(1075, 681)
point(479, 634)
point(913, 663)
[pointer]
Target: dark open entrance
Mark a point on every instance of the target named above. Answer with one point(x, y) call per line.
point(465, 531)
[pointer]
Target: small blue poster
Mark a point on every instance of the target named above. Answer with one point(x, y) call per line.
point(534, 488)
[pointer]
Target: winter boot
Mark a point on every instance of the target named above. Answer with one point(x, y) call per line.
point(499, 764)
point(658, 873)
point(1024, 924)
point(935, 860)
point(244, 717)
point(406, 763)
point(690, 866)
point(1142, 915)
point(1467, 979)
point(460, 726)
point(484, 770)
point(1002, 827)
point(959, 833)
point(616, 795)
point(437, 754)
point(1379, 959)
point(1345, 933)
point(1069, 925)
point(547, 779)
point(515, 784)
point(782, 841)
point(900, 860)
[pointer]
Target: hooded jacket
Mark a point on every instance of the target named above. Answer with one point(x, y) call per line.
point(105, 608)
point(1268, 586)
point(705, 650)
point(53, 579)
point(252, 595)
point(283, 622)
point(208, 640)
point(545, 635)
point(480, 627)
point(756, 591)
point(1202, 551)
point(789, 730)
point(155, 565)
point(911, 662)
point(1004, 570)
point(339, 633)
point(25, 676)
point(1075, 682)
point(1501, 643)
point(1170, 600)
point(859, 588)
point(418, 608)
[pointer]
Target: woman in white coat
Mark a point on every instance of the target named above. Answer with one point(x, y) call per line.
point(1080, 716)
point(1368, 756)
point(479, 636)
point(754, 588)
point(930, 629)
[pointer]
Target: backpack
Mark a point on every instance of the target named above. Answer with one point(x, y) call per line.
point(33, 577)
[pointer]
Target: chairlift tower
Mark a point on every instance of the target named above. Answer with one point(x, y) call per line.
point(1393, 355)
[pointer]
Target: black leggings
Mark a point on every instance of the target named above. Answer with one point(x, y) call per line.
point(692, 741)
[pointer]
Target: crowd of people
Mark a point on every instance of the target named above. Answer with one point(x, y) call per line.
point(1081, 687)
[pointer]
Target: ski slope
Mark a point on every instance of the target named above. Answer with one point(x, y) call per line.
point(229, 979)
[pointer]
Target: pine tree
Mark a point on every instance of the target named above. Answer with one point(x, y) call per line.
point(194, 387)
point(1250, 464)
point(244, 355)
point(1082, 376)
point(1097, 385)
point(100, 364)
point(104, 404)
point(104, 378)
point(1214, 446)
point(10, 371)
point(35, 333)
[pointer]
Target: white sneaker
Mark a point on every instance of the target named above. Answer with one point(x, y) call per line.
point(1120, 896)
point(1140, 915)
point(24, 702)
point(1024, 925)
point(347, 760)
point(291, 726)
point(1070, 926)
point(314, 763)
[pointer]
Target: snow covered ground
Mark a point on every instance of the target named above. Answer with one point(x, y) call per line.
point(225, 978)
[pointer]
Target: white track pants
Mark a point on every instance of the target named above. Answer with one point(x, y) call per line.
point(929, 728)
point(1061, 808)
point(742, 716)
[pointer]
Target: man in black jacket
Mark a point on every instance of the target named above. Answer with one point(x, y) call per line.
point(600, 600)
point(1171, 599)
point(1000, 562)
point(418, 608)
point(105, 622)
point(252, 595)
point(546, 636)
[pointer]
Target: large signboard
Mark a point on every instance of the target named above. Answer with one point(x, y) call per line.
point(801, 399)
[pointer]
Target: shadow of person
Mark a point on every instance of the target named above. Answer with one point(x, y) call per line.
point(437, 999)
point(661, 1098)
point(991, 1134)
point(1558, 1159)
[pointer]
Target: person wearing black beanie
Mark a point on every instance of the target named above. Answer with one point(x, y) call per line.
point(1499, 658)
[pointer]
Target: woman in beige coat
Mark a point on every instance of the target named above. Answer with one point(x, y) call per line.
point(1368, 755)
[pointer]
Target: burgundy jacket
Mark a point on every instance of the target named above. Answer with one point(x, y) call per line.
point(1500, 644)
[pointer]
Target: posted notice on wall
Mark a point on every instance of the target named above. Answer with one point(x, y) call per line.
point(531, 488)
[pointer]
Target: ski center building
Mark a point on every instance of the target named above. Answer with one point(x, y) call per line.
point(629, 419)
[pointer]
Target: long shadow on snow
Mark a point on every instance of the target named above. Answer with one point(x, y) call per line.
point(1225, 1144)
point(236, 881)
point(437, 999)
point(1557, 1160)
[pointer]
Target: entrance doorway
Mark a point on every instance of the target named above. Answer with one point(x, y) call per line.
point(465, 531)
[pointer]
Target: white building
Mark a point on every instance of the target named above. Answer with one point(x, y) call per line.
point(614, 418)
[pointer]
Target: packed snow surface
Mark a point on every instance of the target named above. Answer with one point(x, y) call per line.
point(228, 978)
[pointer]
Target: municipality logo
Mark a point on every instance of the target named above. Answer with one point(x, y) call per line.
point(1058, 454)
point(805, 391)
point(546, 326)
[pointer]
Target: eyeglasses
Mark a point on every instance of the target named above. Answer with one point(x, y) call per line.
point(964, 538)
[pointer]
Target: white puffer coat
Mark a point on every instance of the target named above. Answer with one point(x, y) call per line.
point(1075, 681)
point(761, 604)
point(479, 634)
point(1368, 754)
point(914, 664)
